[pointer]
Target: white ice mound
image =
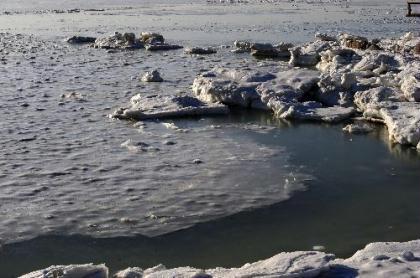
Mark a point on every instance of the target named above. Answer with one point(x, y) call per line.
point(252, 88)
point(152, 76)
point(230, 87)
point(281, 92)
point(293, 264)
point(131, 272)
point(157, 107)
point(71, 271)
point(119, 41)
point(401, 118)
point(308, 55)
point(387, 259)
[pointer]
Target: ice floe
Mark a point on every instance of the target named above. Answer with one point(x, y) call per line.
point(156, 107)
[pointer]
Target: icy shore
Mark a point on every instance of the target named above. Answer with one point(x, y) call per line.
point(382, 259)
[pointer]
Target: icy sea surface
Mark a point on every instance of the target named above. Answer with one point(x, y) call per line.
point(68, 168)
point(77, 186)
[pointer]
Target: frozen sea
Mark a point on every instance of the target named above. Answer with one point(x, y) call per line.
point(72, 192)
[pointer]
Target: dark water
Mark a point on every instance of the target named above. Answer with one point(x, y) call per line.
point(364, 190)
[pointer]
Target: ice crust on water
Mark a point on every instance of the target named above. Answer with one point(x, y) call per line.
point(147, 178)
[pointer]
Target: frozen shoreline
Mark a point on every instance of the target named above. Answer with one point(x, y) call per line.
point(381, 259)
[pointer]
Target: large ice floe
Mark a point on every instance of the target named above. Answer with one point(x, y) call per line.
point(284, 93)
point(328, 81)
point(382, 259)
point(156, 107)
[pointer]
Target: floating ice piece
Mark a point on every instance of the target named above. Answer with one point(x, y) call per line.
point(138, 146)
point(200, 50)
point(162, 47)
point(325, 37)
point(152, 38)
point(156, 107)
point(73, 96)
point(242, 46)
point(80, 40)
point(119, 41)
point(318, 248)
point(358, 128)
point(267, 50)
point(152, 76)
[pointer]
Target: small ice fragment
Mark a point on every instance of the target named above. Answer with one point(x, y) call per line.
point(318, 248)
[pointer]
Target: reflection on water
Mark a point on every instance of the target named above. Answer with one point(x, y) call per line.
point(363, 191)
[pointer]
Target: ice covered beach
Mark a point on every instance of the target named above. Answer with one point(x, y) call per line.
point(390, 259)
point(210, 135)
